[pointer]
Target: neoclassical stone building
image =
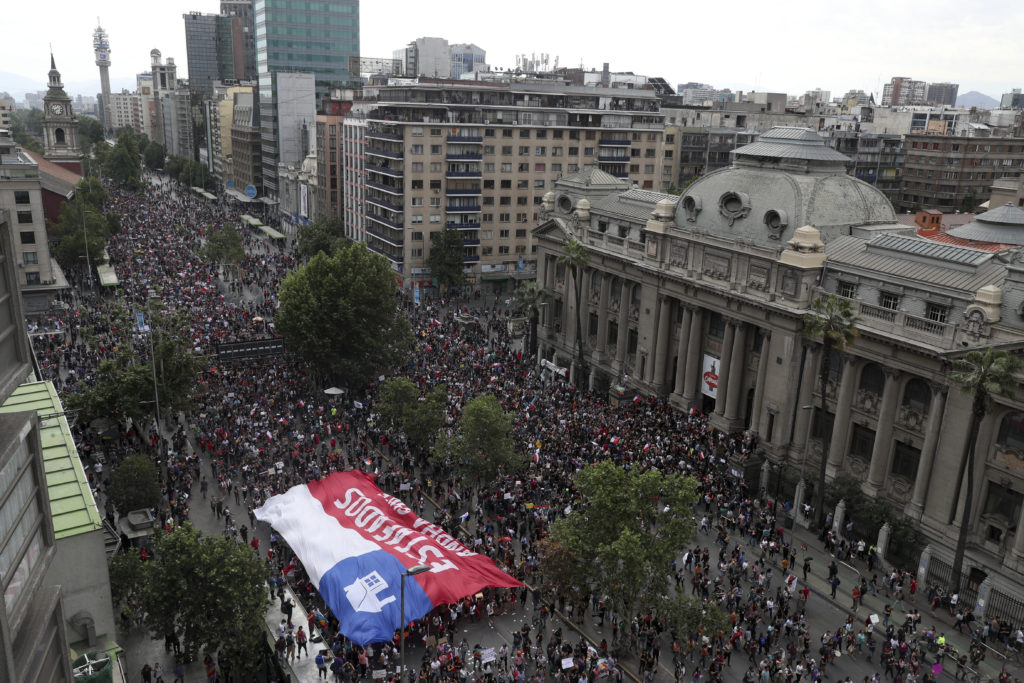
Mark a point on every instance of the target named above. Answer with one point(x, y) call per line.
point(701, 299)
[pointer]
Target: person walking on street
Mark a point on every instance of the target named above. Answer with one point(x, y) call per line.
point(300, 641)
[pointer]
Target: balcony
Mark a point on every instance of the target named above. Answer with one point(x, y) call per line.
point(383, 237)
point(463, 226)
point(394, 258)
point(469, 139)
point(608, 159)
point(463, 157)
point(380, 135)
point(464, 192)
point(470, 242)
point(384, 170)
point(385, 153)
point(470, 259)
point(385, 221)
point(459, 174)
point(384, 203)
point(620, 175)
point(468, 208)
point(384, 187)
point(614, 143)
point(907, 326)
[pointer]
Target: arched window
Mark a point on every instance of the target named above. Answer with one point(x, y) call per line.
point(635, 299)
point(59, 136)
point(917, 395)
point(1011, 430)
point(872, 379)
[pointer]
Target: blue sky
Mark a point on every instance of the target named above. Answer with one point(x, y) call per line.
point(743, 44)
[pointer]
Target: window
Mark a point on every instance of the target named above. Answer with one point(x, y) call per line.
point(417, 218)
point(862, 441)
point(417, 167)
point(872, 379)
point(541, 134)
point(28, 237)
point(488, 168)
point(588, 151)
point(823, 422)
point(1011, 431)
point(574, 151)
point(31, 278)
point(524, 168)
point(539, 183)
point(417, 184)
point(716, 326)
point(572, 168)
point(936, 312)
point(488, 184)
point(506, 149)
point(558, 134)
point(417, 236)
point(506, 184)
point(488, 217)
point(487, 251)
point(524, 150)
point(417, 201)
point(417, 132)
point(521, 201)
point(488, 149)
point(540, 150)
point(524, 132)
point(436, 132)
point(435, 184)
point(506, 133)
point(556, 151)
point(904, 460)
point(417, 252)
point(556, 168)
point(435, 167)
point(416, 149)
point(31, 258)
point(506, 168)
point(435, 201)
point(917, 395)
point(435, 149)
point(21, 197)
point(847, 289)
point(503, 249)
point(24, 217)
point(648, 153)
point(489, 133)
point(503, 234)
point(539, 168)
point(486, 234)
point(521, 232)
point(505, 201)
point(504, 218)
point(889, 300)
point(435, 218)
point(488, 201)
point(648, 168)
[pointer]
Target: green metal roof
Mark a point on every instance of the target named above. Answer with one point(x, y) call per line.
point(72, 505)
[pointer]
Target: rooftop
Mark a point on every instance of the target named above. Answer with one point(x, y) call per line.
point(791, 142)
point(72, 505)
point(1002, 225)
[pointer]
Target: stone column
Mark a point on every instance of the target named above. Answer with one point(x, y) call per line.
point(883, 540)
point(620, 344)
point(602, 314)
point(839, 517)
point(841, 425)
point(737, 368)
point(661, 349)
point(684, 336)
point(762, 372)
point(693, 356)
point(883, 434)
point(915, 508)
point(725, 367)
point(805, 396)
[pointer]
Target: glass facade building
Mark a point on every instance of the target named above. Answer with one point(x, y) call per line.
point(318, 36)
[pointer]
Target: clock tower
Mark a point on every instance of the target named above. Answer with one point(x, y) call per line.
point(60, 127)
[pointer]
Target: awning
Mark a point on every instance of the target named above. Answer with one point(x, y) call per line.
point(495, 276)
point(271, 233)
point(240, 196)
point(251, 221)
point(108, 278)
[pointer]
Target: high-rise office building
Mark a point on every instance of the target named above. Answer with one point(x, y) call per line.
point(943, 93)
point(243, 37)
point(467, 58)
point(208, 43)
point(901, 90)
point(101, 48)
point(318, 38)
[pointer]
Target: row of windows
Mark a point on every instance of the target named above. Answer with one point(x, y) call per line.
point(539, 150)
point(417, 236)
point(538, 134)
point(889, 300)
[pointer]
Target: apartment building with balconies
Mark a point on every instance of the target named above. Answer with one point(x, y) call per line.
point(479, 156)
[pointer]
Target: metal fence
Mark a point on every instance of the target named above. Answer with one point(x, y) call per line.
point(1004, 606)
point(941, 572)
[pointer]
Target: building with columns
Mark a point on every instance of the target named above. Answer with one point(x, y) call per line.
point(701, 299)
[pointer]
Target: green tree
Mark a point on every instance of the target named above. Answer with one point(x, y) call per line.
point(979, 374)
point(625, 531)
point(445, 258)
point(324, 234)
point(92, 193)
point(575, 258)
point(154, 156)
point(209, 590)
point(339, 313)
point(833, 321)
point(174, 166)
point(224, 246)
point(419, 417)
point(483, 446)
point(134, 484)
point(77, 219)
point(122, 166)
point(529, 298)
point(90, 130)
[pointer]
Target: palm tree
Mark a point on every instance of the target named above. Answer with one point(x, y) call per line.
point(979, 374)
point(529, 297)
point(576, 257)
point(833, 321)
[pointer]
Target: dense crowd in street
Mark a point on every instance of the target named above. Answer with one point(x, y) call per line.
point(267, 426)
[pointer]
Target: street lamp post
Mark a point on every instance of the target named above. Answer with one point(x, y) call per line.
point(150, 295)
point(801, 487)
point(85, 236)
point(412, 571)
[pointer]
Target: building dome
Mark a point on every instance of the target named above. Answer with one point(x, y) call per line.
point(1002, 225)
point(154, 52)
point(788, 178)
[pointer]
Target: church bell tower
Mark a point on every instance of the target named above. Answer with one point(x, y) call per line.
point(60, 127)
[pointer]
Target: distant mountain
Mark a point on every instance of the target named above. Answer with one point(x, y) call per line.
point(977, 99)
point(17, 85)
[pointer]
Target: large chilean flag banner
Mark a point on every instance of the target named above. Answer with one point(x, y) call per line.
point(355, 542)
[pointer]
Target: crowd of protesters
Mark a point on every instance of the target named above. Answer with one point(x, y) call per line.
point(264, 427)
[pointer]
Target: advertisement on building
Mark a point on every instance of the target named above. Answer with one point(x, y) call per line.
point(709, 377)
